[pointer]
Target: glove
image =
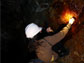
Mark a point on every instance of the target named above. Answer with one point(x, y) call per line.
point(71, 21)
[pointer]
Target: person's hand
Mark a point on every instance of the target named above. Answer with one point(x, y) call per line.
point(49, 29)
point(71, 21)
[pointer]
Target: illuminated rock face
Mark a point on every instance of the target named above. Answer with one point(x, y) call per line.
point(76, 43)
point(62, 10)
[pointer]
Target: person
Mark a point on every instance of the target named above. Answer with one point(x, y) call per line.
point(44, 51)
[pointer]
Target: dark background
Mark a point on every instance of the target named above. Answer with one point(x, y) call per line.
point(15, 15)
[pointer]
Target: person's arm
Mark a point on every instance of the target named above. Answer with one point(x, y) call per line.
point(60, 35)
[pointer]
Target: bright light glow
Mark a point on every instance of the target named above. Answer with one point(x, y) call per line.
point(71, 20)
point(67, 15)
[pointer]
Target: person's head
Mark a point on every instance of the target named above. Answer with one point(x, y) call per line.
point(32, 30)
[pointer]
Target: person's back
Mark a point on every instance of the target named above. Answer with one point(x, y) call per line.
point(44, 49)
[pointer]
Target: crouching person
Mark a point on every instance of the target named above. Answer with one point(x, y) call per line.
point(44, 50)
